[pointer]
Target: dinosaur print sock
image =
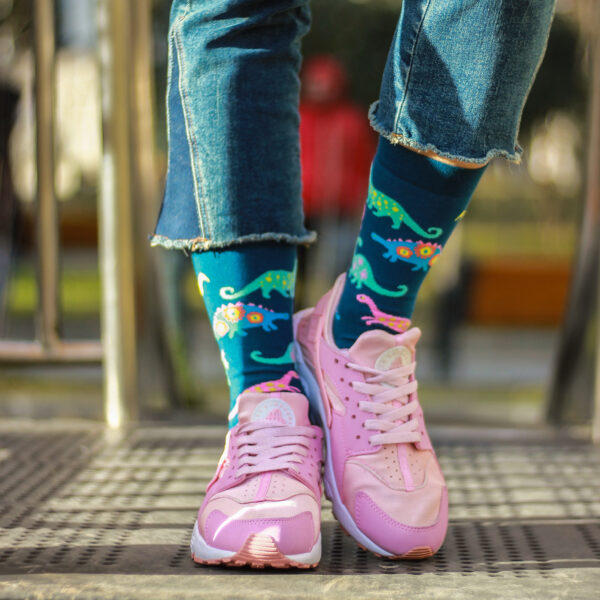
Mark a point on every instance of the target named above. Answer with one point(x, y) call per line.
point(413, 204)
point(249, 293)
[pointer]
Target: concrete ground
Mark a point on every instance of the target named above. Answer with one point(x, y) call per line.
point(90, 513)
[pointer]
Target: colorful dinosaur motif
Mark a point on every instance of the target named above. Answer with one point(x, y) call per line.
point(378, 317)
point(277, 385)
point(279, 281)
point(383, 206)
point(230, 319)
point(202, 279)
point(286, 357)
point(421, 254)
point(362, 274)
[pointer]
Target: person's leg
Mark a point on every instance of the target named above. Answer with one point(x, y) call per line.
point(456, 79)
point(233, 179)
point(453, 90)
point(248, 291)
point(232, 199)
point(413, 204)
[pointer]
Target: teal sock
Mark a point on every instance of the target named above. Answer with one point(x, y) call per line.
point(413, 204)
point(249, 293)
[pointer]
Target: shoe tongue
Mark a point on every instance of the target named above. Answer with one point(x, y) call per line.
point(383, 351)
point(285, 408)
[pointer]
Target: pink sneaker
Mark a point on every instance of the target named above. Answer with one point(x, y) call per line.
point(263, 506)
point(381, 473)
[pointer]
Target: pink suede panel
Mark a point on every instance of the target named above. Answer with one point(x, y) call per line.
point(393, 536)
point(292, 535)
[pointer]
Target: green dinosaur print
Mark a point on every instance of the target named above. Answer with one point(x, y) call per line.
point(230, 319)
point(362, 274)
point(384, 206)
point(280, 281)
point(286, 357)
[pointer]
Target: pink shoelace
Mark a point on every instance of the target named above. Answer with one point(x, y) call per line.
point(389, 391)
point(264, 446)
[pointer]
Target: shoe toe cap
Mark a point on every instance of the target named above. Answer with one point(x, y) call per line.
point(398, 520)
point(291, 534)
point(395, 536)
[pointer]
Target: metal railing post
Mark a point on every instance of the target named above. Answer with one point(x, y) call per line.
point(115, 218)
point(586, 279)
point(48, 347)
point(47, 324)
point(593, 199)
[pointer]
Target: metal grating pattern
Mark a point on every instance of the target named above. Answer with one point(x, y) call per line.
point(82, 500)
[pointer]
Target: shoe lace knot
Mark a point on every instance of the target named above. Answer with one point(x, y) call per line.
point(264, 446)
point(391, 402)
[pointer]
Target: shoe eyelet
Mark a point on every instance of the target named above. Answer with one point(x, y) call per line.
point(341, 379)
point(358, 437)
point(336, 360)
point(354, 416)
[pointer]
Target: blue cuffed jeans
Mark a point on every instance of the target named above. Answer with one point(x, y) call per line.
point(456, 79)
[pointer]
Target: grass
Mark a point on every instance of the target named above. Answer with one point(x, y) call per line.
point(79, 292)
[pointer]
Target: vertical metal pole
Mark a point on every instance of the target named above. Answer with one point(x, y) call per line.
point(593, 200)
point(586, 279)
point(143, 109)
point(115, 218)
point(47, 213)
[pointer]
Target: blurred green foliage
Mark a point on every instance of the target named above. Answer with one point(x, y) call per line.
point(79, 290)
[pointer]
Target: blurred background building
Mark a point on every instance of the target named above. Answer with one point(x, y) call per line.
point(490, 312)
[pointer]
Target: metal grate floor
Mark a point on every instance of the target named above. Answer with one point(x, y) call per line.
point(87, 511)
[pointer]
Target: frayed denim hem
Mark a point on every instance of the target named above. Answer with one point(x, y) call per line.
point(203, 245)
point(398, 138)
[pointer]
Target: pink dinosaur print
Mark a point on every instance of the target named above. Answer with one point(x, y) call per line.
point(277, 385)
point(399, 324)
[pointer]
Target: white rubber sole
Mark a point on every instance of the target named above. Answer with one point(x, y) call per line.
point(268, 555)
point(314, 397)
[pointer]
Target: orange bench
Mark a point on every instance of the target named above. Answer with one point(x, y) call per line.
point(514, 291)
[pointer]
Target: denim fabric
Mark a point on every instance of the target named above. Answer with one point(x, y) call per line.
point(456, 80)
point(233, 170)
point(458, 74)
